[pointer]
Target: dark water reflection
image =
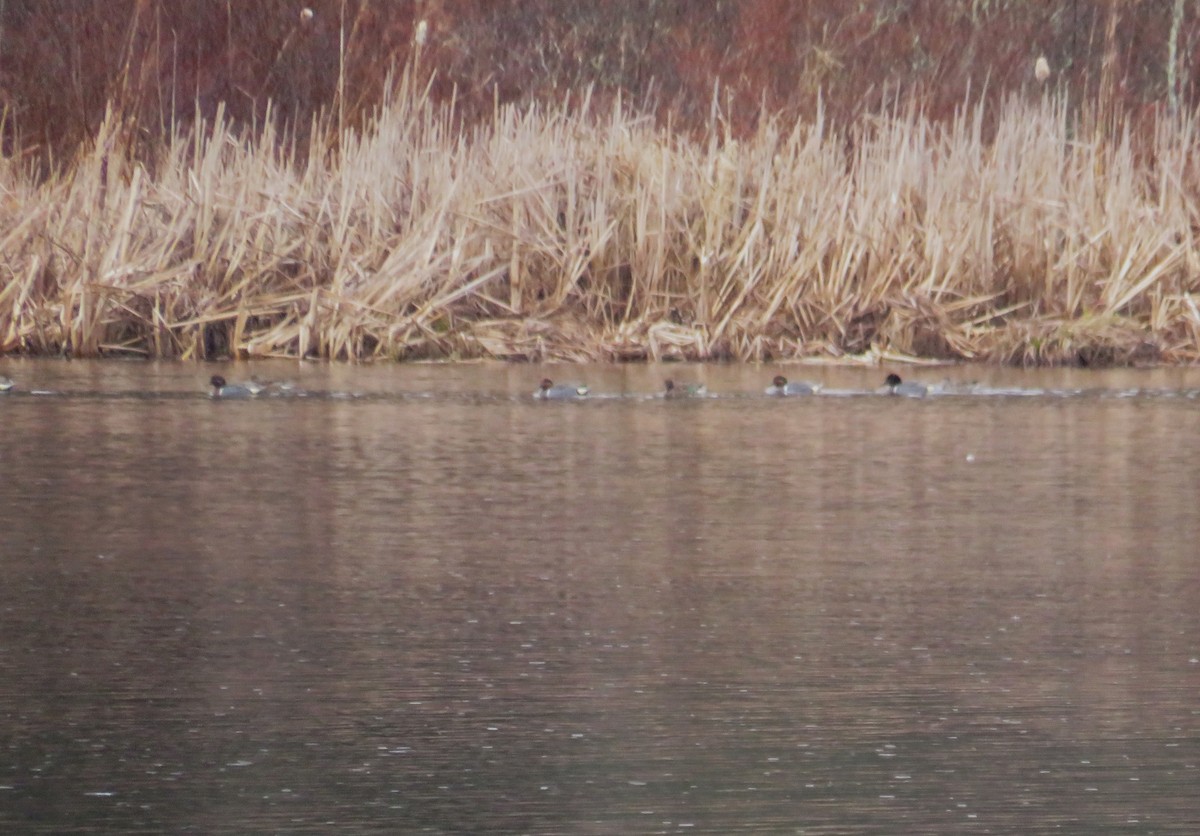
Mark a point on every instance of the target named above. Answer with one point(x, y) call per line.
point(469, 613)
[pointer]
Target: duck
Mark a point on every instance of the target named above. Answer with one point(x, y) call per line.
point(689, 390)
point(780, 386)
point(548, 391)
point(895, 386)
point(222, 389)
point(6, 384)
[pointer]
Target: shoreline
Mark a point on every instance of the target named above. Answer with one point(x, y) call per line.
point(569, 235)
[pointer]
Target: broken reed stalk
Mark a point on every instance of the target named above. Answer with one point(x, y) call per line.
point(562, 232)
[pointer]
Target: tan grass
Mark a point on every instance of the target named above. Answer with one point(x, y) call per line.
point(564, 233)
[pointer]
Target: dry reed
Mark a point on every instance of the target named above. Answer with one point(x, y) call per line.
point(559, 232)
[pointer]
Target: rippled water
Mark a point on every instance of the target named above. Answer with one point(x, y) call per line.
point(419, 601)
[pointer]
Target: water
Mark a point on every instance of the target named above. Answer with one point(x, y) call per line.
point(440, 606)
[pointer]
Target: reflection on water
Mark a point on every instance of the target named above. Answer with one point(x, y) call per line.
point(443, 606)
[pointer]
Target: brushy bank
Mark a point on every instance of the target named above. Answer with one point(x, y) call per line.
point(567, 233)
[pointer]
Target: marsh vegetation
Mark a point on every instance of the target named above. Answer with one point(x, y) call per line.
point(1018, 227)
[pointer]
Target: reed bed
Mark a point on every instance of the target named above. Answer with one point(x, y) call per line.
point(560, 232)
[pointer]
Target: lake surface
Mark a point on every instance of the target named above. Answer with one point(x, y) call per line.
point(418, 601)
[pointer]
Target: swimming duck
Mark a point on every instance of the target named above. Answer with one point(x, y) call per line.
point(895, 386)
point(547, 391)
point(5, 383)
point(780, 386)
point(690, 390)
point(221, 389)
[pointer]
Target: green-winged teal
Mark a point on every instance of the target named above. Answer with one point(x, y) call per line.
point(222, 389)
point(686, 390)
point(548, 391)
point(895, 386)
point(780, 387)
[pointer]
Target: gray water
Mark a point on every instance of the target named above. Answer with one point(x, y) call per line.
point(417, 600)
